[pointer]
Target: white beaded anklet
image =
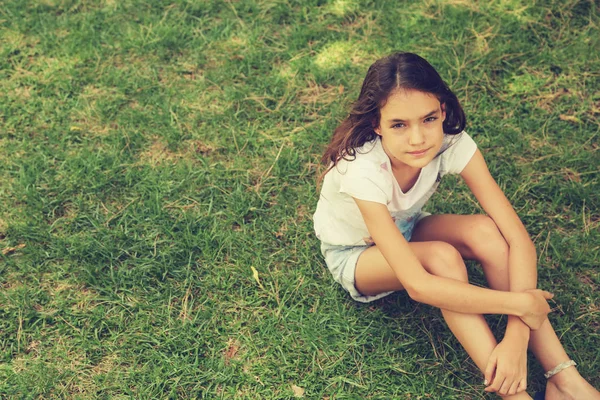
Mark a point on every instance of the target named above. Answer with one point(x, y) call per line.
point(559, 368)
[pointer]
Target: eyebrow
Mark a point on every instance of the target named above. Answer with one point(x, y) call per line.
point(423, 117)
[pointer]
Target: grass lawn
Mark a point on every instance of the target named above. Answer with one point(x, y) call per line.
point(158, 179)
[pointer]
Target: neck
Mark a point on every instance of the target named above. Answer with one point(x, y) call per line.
point(403, 169)
point(406, 176)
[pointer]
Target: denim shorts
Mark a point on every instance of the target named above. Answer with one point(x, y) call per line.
point(341, 262)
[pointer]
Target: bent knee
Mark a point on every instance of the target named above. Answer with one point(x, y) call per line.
point(486, 241)
point(444, 260)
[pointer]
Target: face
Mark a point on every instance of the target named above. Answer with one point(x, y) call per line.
point(411, 128)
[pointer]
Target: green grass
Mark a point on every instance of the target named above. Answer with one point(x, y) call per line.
point(154, 152)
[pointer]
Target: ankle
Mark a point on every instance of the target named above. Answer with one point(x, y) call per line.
point(566, 378)
point(572, 391)
point(554, 391)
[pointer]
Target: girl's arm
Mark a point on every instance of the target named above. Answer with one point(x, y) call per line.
point(522, 256)
point(441, 292)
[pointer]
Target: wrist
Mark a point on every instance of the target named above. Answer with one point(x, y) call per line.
point(523, 303)
point(517, 329)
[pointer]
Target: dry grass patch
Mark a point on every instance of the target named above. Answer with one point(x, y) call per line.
point(180, 77)
point(3, 228)
point(23, 92)
point(320, 94)
point(11, 283)
point(108, 364)
point(481, 44)
point(190, 71)
point(286, 71)
point(545, 100)
point(231, 350)
point(85, 299)
point(209, 100)
point(87, 117)
point(59, 348)
point(83, 374)
point(49, 69)
point(71, 361)
point(159, 153)
point(232, 45)
point(588, 280)
point(18, 43)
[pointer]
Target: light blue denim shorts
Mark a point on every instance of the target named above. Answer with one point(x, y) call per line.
point(341, 262)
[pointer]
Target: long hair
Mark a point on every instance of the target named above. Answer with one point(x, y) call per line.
point(394, 72)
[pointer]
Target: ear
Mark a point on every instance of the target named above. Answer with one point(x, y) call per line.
point(443, 106)
point(376, 127)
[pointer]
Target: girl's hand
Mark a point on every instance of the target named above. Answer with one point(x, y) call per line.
point(537, 310)
point(506, 371)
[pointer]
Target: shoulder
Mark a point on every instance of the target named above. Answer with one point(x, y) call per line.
point(366, 176)
point(370, 157)
point(457, 143)
point(456, 152)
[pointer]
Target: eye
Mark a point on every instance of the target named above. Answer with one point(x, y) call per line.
point(430, 119)
point(398, 125)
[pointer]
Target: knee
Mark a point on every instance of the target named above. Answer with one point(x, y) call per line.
point(445, 261)
point(486, 242)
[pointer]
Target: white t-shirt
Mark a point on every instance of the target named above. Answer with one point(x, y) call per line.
point(369, 176)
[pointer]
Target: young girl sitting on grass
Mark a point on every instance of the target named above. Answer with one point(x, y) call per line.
point(403, 134)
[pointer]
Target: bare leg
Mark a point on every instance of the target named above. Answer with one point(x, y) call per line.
point(476, 237)
point(374, 275)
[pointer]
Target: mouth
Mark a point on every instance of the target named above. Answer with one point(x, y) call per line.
point(418, 152)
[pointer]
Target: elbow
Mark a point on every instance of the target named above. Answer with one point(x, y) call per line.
point(415, 295)
point(419, 289)
point(416, 292)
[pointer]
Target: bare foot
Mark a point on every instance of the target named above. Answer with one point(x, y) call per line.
point(570, 386)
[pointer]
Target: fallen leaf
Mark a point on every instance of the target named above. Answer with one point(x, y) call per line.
point(571, 175)
point(570, 118)
point(298, 391)
point(255, 275)
point(9, 250)
point(231, 351)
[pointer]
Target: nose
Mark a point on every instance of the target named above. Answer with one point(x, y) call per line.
point(416, 136)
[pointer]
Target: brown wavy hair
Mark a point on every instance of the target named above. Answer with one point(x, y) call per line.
point(394, 72)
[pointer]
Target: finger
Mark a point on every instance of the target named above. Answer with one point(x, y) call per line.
point(505, 387)
point(522, 386)
point(547, 295)
point(489, 370)
point(513, 387)
point(495, 386)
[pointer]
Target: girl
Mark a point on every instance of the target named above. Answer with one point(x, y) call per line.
point(385, 160)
